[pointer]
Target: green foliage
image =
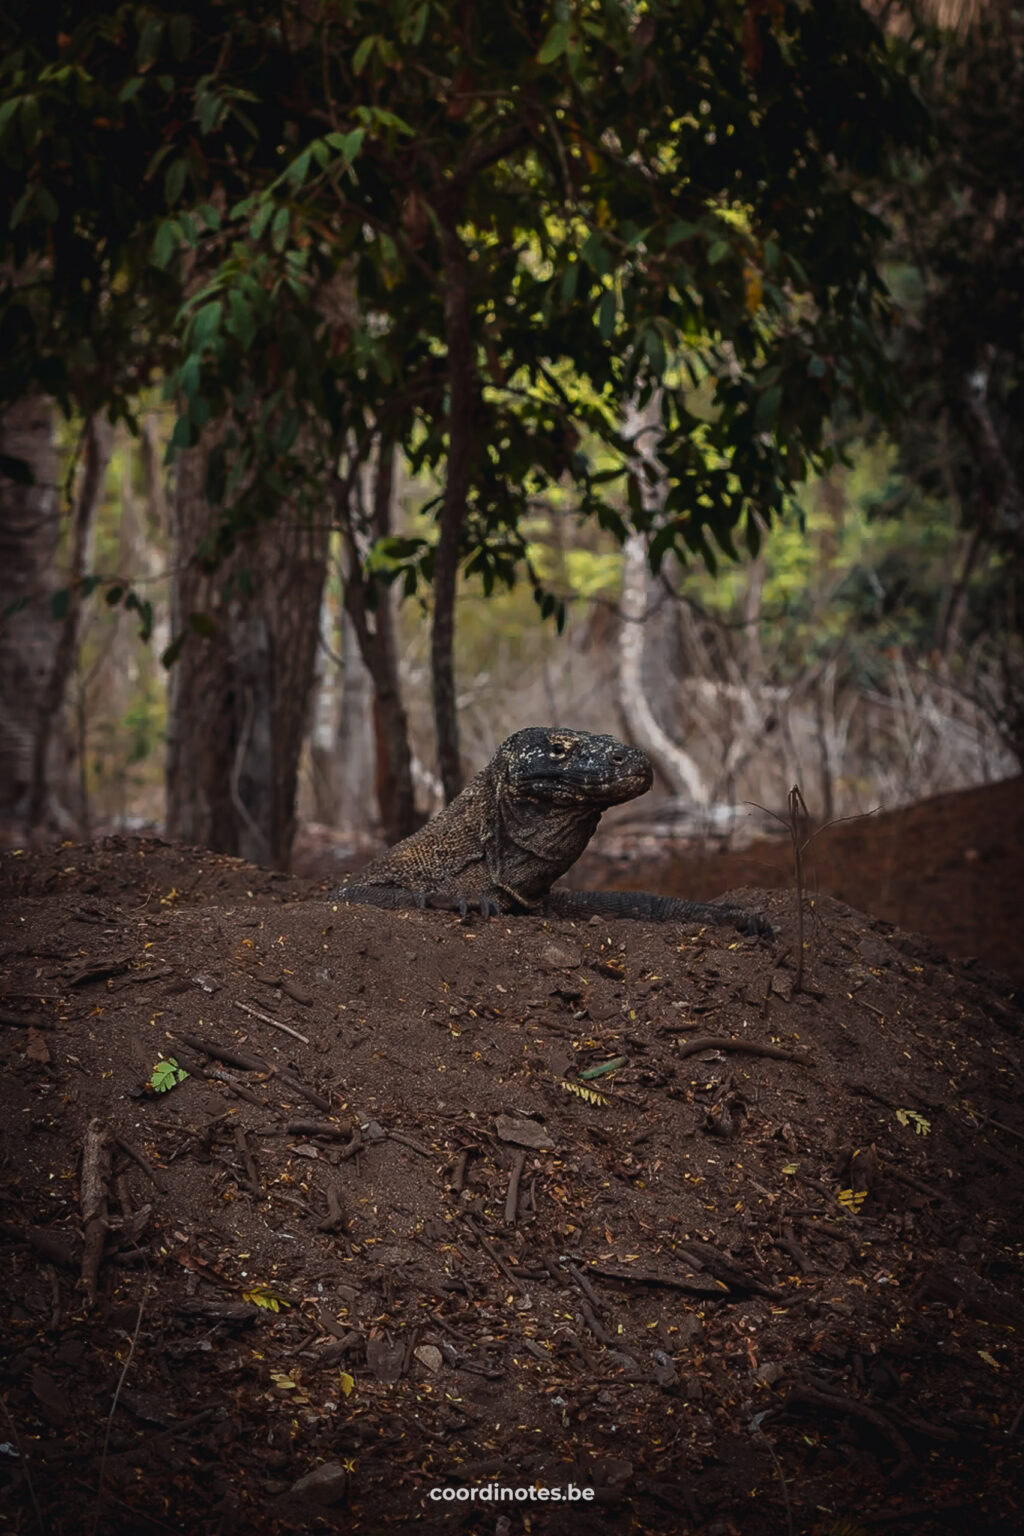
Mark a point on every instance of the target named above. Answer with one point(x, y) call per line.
point(648, 200)
point(167, 1075)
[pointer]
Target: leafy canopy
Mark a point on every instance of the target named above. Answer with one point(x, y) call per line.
point(653, 199)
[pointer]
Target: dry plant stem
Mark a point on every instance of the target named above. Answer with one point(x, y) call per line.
point(762, 1439)
point(113, 1409)
point(410, 1142)
point(799, 820)
point(96, 1168)
point(248, 1063)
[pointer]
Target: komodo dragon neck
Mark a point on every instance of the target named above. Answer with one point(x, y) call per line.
point(536, 842)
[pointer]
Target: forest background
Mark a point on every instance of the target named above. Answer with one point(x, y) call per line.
point(377, 380)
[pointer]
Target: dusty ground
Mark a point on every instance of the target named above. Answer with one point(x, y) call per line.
point(951, 867)
point(761, 1275)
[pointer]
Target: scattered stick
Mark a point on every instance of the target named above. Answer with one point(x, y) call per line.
point(585, 1286)
point(243, 1060)
point(246, 1062)
point(309, 1094)
point(274, 1023)
point(512, 1196)
point(745, 1047)
point(788, 1243)
point(96, 1164)
point(329, 1129)
point(797, 822)
point(595, 1325)
point(218, 1075)
point(690, 1284)
point(139, 1157)
point(144, 1449)
point(355, 1145)
point(26, 1020)
point(98, 971)
point(335, 1218)
point(909, 1179)
point(242, 1143)
point(706, 1256)
point(410, 1142)
point(493, 1253)
point(762, 1439)
point(837, 1403)
point(458, 1178)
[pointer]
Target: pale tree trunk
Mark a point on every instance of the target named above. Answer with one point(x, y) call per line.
point(373, 621)
point(462, 413)
point(674, 764)
point(241, 684)
point(323, 714)
point(356, 750)
point(342, 734)
point(29, 534)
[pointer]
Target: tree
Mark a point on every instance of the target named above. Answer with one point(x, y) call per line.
point(538, 216)
point(958, 254)
point(29, 533)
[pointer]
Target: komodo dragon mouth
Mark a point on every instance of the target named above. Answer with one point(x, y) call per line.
point(573, 768)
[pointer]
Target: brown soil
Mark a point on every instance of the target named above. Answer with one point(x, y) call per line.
point(951, 867)
point(419, 1249)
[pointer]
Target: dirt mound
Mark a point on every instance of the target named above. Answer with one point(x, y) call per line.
point(951, 867)
point(450, 1216)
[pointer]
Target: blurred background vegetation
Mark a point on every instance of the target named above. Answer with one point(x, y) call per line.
point(288, 534)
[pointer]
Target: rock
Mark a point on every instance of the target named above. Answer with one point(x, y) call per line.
point(560, 957)
point(325, 1485)
point(430, 1356)
point(522, 1133)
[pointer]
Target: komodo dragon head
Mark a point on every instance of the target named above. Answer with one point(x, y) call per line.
point(555, 766)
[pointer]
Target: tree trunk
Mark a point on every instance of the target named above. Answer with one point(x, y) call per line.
point(461, 422)
point(325, 762)
point(372, 616)
point(97, 446)
point(674, 764)
point(29, 533)
point(342, 736)
point(240, 686)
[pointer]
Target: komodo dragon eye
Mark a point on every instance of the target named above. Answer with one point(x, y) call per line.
point(558, 749)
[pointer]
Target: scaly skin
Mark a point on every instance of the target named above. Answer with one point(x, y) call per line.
point(520, 824)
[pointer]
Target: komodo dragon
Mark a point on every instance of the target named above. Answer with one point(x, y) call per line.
point(520, 824)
